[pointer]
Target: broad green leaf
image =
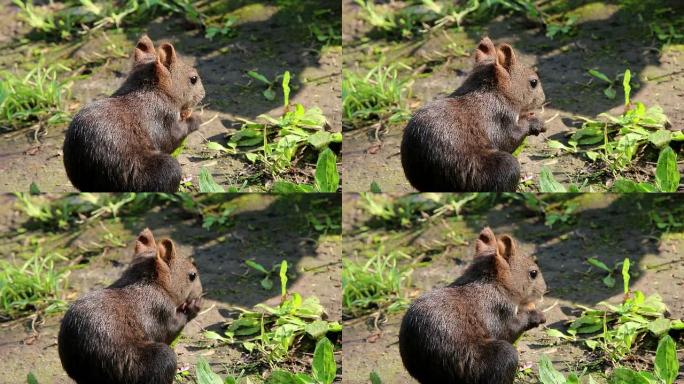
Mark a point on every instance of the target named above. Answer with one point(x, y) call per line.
point(625, 275)
point(33, 188)
point(609, 281)
point(600, 75)
point(320, 139)
point(282, 377)
point(547, 183)
point(327, 178)
point(548, 374)
point(660, 138)
point(266, 283)
point(609, 92)
point(211, 335)
point(207, 183)
point(257, 266)
point(626, 86)
point(282, 186)
point(258, 76)
point(324, 367)
point(317, 329)
point(572, 379)
point(214, 146)
point(31, 379)
point(375, 378)
point(627, 376)
point(599, 264)
point(204, 373)
point(666, 364)
point(659, 326)
point(269, 94)
point(667, 174)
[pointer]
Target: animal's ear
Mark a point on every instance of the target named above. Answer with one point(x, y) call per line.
point(506, 57)
point(145, 242)
point(167, 55)
point(144, 51)
point(486, 243)
point(166, 251)
point(485, 51)
point(506, 247)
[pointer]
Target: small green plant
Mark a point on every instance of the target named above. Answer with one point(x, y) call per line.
point(323, 370)
point(564, 28)
point(379, 95)
point(272, 332)
point(617, 142)
point(375, 283)
point(609, 279)
point(225, 30)
point(279, 142)
point(326, 177)
point(666, 367)
point(37, 97)
point(617, 329)
point(35, 285)
point(266, 282)
point(609, 91)
point(269, 93)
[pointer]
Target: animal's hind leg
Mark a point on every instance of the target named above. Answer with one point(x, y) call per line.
point(498, 363)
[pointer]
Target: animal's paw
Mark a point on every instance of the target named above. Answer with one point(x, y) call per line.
point(193, 122)
point(536, 318)
point(536, 125)
point(191, 308)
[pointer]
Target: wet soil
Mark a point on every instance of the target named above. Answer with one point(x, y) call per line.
point(268, 41)
point(608, 39)
point(265, 229)
point(607, 227)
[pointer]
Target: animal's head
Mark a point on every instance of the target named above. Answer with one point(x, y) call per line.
point(163, 69)
point(517, 82)
point(176, 274)
point(517, 272)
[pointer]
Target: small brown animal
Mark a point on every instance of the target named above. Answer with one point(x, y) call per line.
point(463, 333)
point(123, 143)
point(464, 142)
point(121, 334)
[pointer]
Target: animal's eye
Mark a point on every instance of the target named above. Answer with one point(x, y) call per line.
point(533, 274)
point(192, 276)
point(533, 83)
point(193, 79)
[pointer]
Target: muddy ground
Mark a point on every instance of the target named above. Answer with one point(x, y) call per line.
point(270, 41)
point(607, 227)
point(265, 229)
point(608, 39)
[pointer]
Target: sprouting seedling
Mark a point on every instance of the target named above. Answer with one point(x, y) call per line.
point(268, 92)
point(286, 89)
point(609, 91)
point(625, 275)
point(283, 280)
point(626, 86)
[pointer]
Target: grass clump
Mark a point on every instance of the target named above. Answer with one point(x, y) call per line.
point(76, 17)
point(377, 283)
point(37, 97)
point(32, 286)
point(379, 95)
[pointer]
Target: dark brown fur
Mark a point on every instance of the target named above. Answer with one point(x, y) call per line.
point(464, 142)
point(120, 334)
point(123, 142)
point(463, 333)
